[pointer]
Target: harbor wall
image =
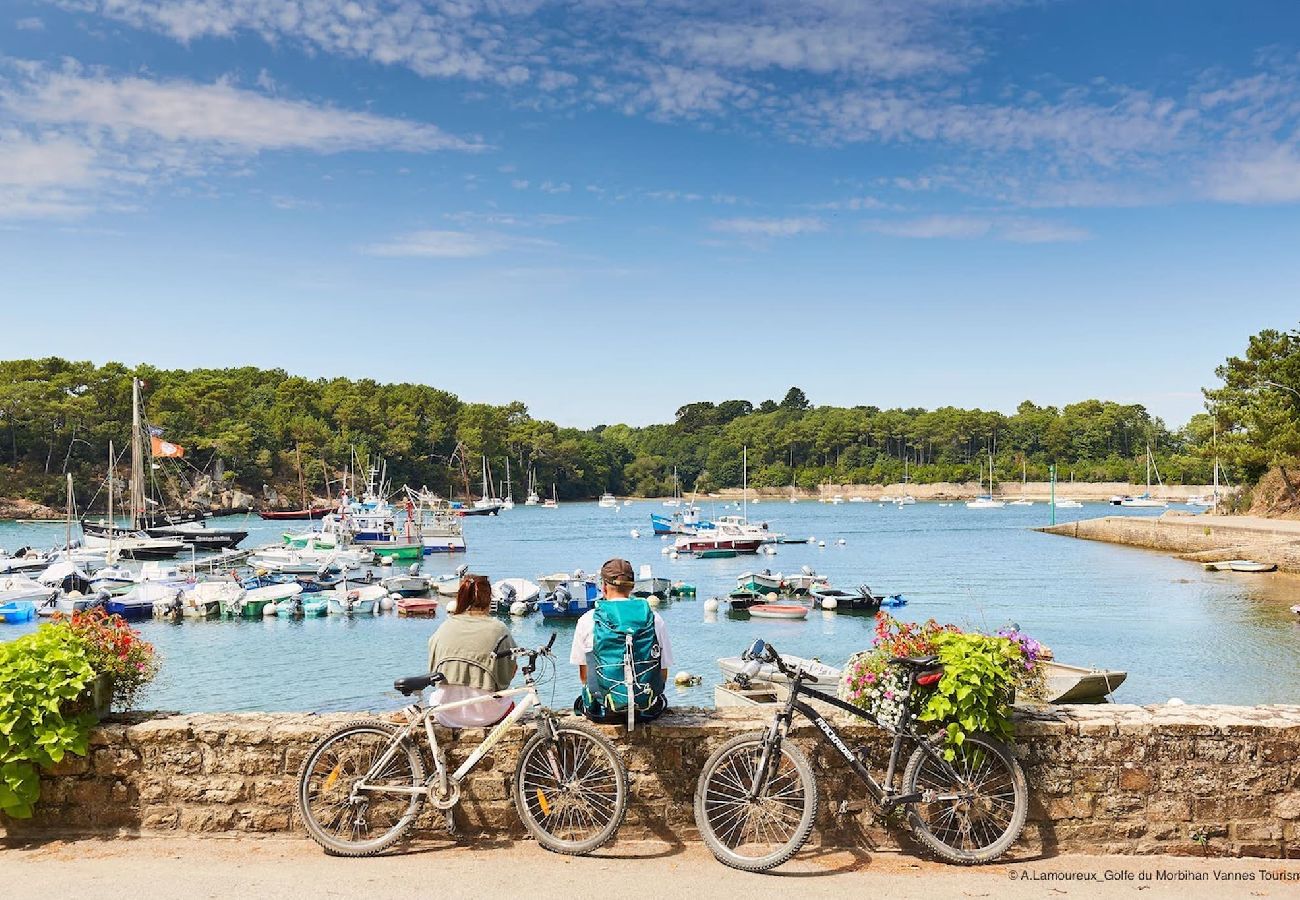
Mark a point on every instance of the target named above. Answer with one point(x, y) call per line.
point(1203, 538)
point(1099, 491)
point(1103, 779)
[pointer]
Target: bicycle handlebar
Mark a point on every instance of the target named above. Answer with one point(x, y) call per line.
point(524, 651)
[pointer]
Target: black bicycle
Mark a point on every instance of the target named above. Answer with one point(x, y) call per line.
point(756, 800)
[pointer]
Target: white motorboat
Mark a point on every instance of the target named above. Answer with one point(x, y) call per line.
point(837, 500)
point(1068, 504)
point(135, 545)
point(804, 581)
point(208, 599)
point(411, 584)
point(607, 501)
point(513, 590)
point(827, 676)
point(26, 560)
point(906, 500)
point(21, 587)
point(113, 579)
point(647, 584)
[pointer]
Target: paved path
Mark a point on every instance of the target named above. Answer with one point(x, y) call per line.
point(278, 868)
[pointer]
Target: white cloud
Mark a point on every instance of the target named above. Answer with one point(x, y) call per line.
point(967, 227)
point(76, 140)
point(555, 187)
point(438, 244)
point(510, 220)
point(1269, 177)
point(769, 227)
point(30, 23)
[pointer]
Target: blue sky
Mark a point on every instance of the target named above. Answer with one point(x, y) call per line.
point(608, 208)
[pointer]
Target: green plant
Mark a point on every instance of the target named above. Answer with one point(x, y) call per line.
point(43, 676)
point(981, 675)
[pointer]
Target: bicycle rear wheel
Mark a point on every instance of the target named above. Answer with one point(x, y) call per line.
point(348, 823)
point(759, 833)
point(980, 800)
point(571, 793)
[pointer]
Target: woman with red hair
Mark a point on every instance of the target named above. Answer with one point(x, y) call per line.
point(464, 651)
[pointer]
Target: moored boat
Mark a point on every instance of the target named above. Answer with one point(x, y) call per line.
point(17, 611)
point(417, 606)
point(286, 515)
point(356, 600)
point(778, 611)
point(569, 600)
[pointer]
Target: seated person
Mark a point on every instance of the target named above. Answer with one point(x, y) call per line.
point(463, 650)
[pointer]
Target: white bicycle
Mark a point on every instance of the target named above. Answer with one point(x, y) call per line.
point(362, 786)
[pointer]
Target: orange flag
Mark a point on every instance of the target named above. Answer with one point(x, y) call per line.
point(166, 448)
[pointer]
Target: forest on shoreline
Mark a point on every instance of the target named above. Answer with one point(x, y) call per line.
point(252, 426)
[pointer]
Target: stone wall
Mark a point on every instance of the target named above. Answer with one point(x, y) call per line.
point(1203, 538)
point(1115, 779)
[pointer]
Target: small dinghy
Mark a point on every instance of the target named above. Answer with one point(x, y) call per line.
point(778, 611)
point(731, 666)
point(362, 600)
point(570, 600)
point(303, 605)
point(1080, 684)
point(742, 599)
point(14, 588)
point(254, 603)
point(417, 606)
point(17, 611)
point(412, 584)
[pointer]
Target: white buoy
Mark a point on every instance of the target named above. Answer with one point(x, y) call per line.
point(1174, 701)
point(665, 550)
point(812, 539)
point(386, 561)
point(829, 603)
point(711, 605)
point(519, 608)
point(654, 600)
point(841, 542)
point(674, 555)
point(268, 610)
point(683, 678)
point(387, 603)
point(821, 544)
point(635, 533)
point(771, 597)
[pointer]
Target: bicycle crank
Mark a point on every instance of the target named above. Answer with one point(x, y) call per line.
point(441, 800)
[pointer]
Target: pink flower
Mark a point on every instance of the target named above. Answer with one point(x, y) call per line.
point(889, 695)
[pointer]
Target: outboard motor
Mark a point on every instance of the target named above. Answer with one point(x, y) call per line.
point(562, 598)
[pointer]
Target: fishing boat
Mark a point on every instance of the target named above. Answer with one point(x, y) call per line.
point(569, 600)
point(15, 612)
point(549, 583)
point(73, 602)
point(356, 600)
point(141, 601)
point(412, 584)
point(778, 611)
point(804, 581)
point(25, 559)
point(607, 501)
point(207, 599)
point(417, 606)
point(302, 605)
point(741, 599)
point(761, 582)
point(1080, 684)
point(829, 598)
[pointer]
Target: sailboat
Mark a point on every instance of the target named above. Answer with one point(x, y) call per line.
point(905, 499)
point(487, 502)
point(676, 500)
point(1212, 501)
point(987, 501)
point(508, 501)
point(532, 499)
point(553, 501)
point(1024, 474)
point(1145, 500)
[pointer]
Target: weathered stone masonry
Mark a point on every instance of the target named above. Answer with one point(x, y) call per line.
point(1115, 779)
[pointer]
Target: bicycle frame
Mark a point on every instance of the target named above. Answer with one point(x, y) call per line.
point(530, 699)
point(884, 794)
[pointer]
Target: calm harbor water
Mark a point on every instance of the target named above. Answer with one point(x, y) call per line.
point(1179, 631)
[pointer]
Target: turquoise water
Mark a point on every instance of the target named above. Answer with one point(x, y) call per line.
point(1179, 631)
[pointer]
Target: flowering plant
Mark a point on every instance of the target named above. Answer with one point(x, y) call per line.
point(116, 650)
point(981, 674)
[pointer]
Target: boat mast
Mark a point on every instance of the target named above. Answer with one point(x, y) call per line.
point(67, 531)
point(108, 557)
point(1215, 440)
point(137, 457)
point(302, 484)
point(509, 490)
point(744, 481)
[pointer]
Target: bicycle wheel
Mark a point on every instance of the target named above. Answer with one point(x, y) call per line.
point(370, 822)
point(571, 793)
point(759, 833)
point(988, 810)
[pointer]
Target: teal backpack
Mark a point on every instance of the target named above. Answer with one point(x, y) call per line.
point(625, 662)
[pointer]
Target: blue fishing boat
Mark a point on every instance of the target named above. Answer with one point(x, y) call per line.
point(569, 600)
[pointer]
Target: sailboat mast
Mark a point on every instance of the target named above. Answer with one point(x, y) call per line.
point(67, 531)
point(1216, 463)
point(744, 481)
point(137, 457)
point(108, 557)
point(302, 484)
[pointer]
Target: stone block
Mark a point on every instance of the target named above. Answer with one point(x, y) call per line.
point(70, 765)
point(1132, 778)
point(1288, 806)
point(115, 761)
point(1277, 751)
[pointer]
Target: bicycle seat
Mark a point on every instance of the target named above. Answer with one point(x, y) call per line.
point(414, 683)
point(916, 662)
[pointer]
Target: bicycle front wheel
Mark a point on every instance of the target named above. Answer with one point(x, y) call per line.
point(755, 833)
point(347, 822)
point(571, 792)
point(979, 800)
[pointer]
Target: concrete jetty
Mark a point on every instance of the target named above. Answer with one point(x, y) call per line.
point(1203, 538)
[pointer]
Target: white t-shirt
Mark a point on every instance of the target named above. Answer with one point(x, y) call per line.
point(584, 635)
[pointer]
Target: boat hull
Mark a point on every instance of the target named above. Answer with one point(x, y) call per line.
point(778, 611)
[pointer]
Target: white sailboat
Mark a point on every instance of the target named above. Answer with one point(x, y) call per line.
point(508, 501)
point(553, 501)
point(1023, 501)
point(487, 501)
point(676, 500)
point(988, 501)
point(1146, 501)
point(532, 499)
point(905, 499)
point(1211, 501)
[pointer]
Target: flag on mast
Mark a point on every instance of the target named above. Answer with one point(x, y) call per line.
point(165, 449)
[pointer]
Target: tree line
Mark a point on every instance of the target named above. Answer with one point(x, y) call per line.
point(253, 426)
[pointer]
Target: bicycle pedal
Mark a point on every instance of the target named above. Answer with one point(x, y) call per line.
point(452, 830)
point(850, 806)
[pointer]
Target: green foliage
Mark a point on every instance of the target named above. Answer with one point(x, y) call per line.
point(57, 416)
point(1257, 409)
point(42, 677)
point(980, 676)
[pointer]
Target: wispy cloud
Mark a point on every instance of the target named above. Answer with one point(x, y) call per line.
point(77, 138)
point(966, 227)
point(512, 220)
point(436, 244)
point(768, 227)
point(1269, 175)
point(30, 23)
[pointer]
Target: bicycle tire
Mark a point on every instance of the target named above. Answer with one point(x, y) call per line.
point(318, 831)
point(1000, 837)
point(708, 787)
point(536, 811)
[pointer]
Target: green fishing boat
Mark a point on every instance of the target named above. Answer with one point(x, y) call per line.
point(393, 550)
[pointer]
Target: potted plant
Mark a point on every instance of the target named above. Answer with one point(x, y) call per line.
point(123, 662)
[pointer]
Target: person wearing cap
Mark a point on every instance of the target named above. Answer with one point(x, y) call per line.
point(616, 581)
